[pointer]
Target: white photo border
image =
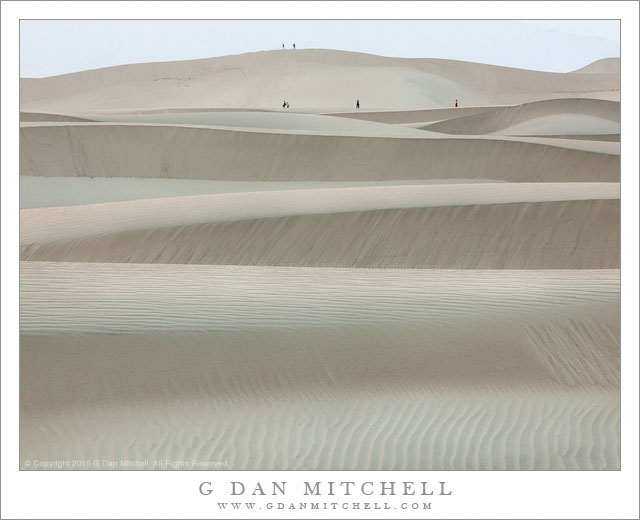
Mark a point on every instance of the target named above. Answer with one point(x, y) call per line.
point(169, 494)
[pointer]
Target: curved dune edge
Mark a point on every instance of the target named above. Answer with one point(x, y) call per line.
point(455, 354)
point(544, 235)
point(380, 131)
point(588, 137)
point(129, 150)
point(37, 117)
point(603, 66)
point(503, 118)
point(267, 120)
point(559, 124)
point(413, 116)
point(46, 192)
point(43, 225)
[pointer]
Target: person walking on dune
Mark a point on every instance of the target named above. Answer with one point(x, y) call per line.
point(456, 103)
point(357, 103)
point(294, 46)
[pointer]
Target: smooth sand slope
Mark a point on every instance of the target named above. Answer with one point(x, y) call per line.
point(268, 120)
point(549, 117)
point(311, 80)
point(457, 370)
point(45, 192)
point(145, 150)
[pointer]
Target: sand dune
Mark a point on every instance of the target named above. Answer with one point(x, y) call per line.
point(144, 150)
point(65, 223)
point(45, 192)
point(208, 277)
point(40, 117)
point(267, 120)
point(542, 235)
point(560, 125)
point(557, 116)
point(590, 137)
point(71, 297)
point(449, 429)
point(313, 79)
point(420, 354)
point(413, 116)
point(604, 66)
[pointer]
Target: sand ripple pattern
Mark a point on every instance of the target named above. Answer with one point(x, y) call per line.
point(120, 298)
point(400, 431)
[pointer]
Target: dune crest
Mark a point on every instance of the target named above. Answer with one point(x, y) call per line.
point(187, 152)
point(312, 79)
point(587, 115)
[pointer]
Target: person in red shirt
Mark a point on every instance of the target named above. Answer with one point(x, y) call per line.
point(456, 103)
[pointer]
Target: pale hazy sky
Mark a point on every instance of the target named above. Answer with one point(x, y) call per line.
point(50, 47)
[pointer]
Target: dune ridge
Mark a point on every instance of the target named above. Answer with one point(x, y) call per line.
point(135, 150)
point(64, 223)
point(504, 119)
point(414, 115)
point(323, 80)
point(603, 66)
point(545, 235)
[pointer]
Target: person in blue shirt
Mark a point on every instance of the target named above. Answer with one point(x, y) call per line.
point(357, 103)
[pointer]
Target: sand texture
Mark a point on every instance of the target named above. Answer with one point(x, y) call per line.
point(210, 281)
point(550, 117)
point(187, 152)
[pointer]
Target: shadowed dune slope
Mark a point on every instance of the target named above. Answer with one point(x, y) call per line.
point(601, 114)
point(324, 80)
point(30, 117)
point(545, 235)
point(414, 116)
point(41, 225)
point(135, 150)
point(266, 120)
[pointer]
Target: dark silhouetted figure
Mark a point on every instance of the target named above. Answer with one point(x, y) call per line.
point(283, 45)
point(294, 46)
point(357, 103)
point(456, 103)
